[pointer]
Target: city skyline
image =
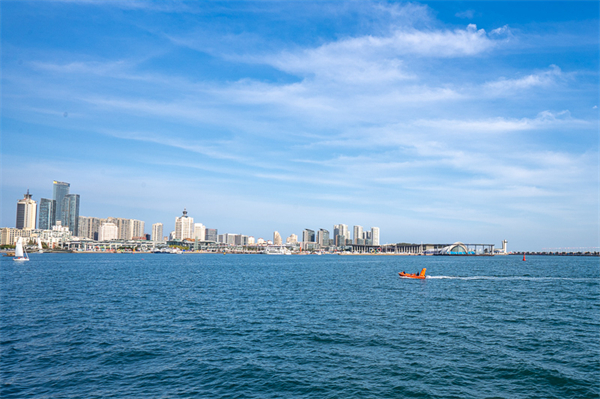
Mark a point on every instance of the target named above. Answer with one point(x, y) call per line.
point(436, 122)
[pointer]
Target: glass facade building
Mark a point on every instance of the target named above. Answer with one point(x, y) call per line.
point(46, 215)
point(59, 191)
point(70, 212)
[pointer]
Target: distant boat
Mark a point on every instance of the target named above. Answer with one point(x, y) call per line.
point(20, 252)
point(40, 248)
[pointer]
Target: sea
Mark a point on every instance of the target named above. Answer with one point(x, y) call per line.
point(265, 326)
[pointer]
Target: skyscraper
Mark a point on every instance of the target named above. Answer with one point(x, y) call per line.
point(89, 227)
point(70, 212)
point(59, 191)
point(341, 234)
point(308, 235)
point(358, 234)
point(157, 232)
point(375, 235)
point(184, 226)
point(199, 231)
point(26, 213)
point(277, 238)
point(46, 215)
point(323, 237)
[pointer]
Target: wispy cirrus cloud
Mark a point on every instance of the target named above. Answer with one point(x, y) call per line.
point(540, 79)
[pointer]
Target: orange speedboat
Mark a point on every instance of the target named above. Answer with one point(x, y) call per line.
point(420, 276)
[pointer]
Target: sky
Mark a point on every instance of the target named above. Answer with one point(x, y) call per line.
point(435, 121)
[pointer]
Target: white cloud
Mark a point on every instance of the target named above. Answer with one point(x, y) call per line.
point(541, 79)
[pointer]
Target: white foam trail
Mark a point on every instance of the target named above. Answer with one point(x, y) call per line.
point(513, 278)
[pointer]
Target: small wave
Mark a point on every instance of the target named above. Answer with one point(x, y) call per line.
point(524, 278)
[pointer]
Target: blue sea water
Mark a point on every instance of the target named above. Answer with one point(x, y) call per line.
point(260, 326)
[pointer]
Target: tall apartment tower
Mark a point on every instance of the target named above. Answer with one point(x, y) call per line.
point(59, 191)
point(199, 232)
point(89, 227)
point(184, 226)
point(375, 235)
point(323, 237)
point(70, 212)
point(26, 213)
point(358, 234)
point(308, 235)
point(277, 238)
point(157, 232)
point(46, 215)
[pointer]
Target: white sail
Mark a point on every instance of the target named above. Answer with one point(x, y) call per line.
point(39, 240)
point(19, 248)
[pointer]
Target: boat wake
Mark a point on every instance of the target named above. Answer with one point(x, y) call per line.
point(524, 278)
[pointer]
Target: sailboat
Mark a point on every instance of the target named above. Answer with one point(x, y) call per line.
point(20, 252)
point(40, 248)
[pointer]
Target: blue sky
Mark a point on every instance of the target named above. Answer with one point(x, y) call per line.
point(437, 122)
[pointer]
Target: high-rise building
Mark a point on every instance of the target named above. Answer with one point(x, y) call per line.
point(59, 191)
point(46, 216)
point(26, 213)
point(157, 232)
point(109, 231)
point(358, 234)
point(292, 239)
point(211, 235)
point(199, 232)
point(184, 226)
point(375, 235)
point(308, 235)
point(89, 227)
point(277, 238)
point(70, 212)
point(341, 234)
point(323, 237)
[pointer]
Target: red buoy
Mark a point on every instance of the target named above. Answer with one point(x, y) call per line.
point(523, 257)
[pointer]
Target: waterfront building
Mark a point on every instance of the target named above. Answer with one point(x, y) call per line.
point(199, 231)
point(375, 235)
point(341, 234)
point(89, 227)
point(157, 232)
point(26, 213)
point(358, 234)
point(277, 238)
point(210, 235)
point(308, 235)
point(109, 231)
point(292, 239)
point(323, 238)
point(261, 241)
point(70, 212)
point(368, 237)
point(9, 235)
point(184, 226)
point(128, 228)
point(46, 216)
point(251, 240)
point(59, 191)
